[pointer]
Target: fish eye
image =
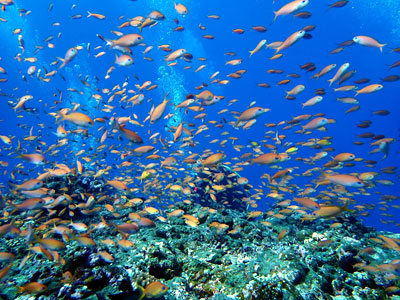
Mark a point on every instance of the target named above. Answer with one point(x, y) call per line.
point(277, 157)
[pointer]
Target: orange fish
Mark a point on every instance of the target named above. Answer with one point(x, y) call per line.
point(369, 89)
point(175, 55)
point(158, 111)
point(345, 180)
point(368, 41)
point(97, 16)
point(266, 159)
point(250, 114)
point(128, 40)
point(290, 8)
point(77, 118)
point(292, 39)
point(214, 159)
point(32, 288)
point(34, 158)
point(180, 8)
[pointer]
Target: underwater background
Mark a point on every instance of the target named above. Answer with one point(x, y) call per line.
point(38, 33)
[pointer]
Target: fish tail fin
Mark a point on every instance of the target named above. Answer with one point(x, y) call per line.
point(63, 62)
point(374, 151)
point(251, 53)
point(345, 208)
point(357, 93)
point(11, 185)
point(89, 14)
point(330, 81)
point(109, 43)
point(267, 175)
point(115, 227)
point(61, 117)
point(141, 289)
point(276, 15)
point(381, 47)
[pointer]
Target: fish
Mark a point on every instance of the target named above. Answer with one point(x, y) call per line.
point(330, 211)
point(28, 185)
point(129, 134)
point(123, 60)
point(158, 111)
point(214, 159)
point(258, 47)
point(180, 8)
point(313, 101)
point(290, 8)
point(292, 39)
point(316, 123)
point(128, 40)
point(69, 56)
point(175, 55)
point(369, 89)
point(345, 180)
point(343, 68)
point(339, 4)
point(155, 290)
point(32, 288)
point(368, 41)
point(251, 114)
point(34, 158)
point(77, 118)
point(97, 16)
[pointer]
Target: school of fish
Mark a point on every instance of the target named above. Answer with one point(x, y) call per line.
point(147, 165)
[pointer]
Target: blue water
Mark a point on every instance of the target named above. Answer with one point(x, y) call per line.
point(333, 26)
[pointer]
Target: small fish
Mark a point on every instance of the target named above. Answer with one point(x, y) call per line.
point(97, 16)
point(258, 47)
point(339, 4)
point(368, 41)
point(290, 8)
point(69, 56)
point(180, 9)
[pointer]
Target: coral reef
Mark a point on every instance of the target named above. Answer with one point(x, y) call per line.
point(314, 259)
